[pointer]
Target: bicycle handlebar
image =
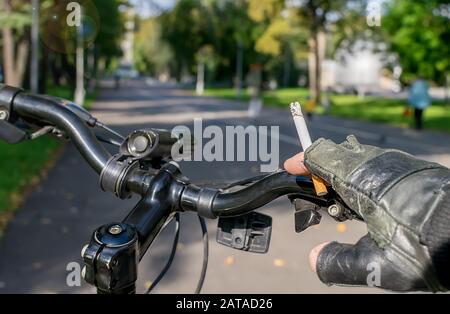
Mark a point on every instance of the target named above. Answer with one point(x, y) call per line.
point(163, 189)
point(214, 203)
point(46, 110)
point(211, 203)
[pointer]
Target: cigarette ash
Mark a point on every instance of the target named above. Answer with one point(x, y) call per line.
point(296, 110)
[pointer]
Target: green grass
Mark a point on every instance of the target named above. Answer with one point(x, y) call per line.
point(67, 93)
point(24, 164)
point(279, 98)
point(226, 93)
point(21, 165)
point(389, 111)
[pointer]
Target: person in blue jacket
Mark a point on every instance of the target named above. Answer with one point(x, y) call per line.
point(419, 99)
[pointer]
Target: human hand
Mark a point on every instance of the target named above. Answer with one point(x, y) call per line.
point(406, 205)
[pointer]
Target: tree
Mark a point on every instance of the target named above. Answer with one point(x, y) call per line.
point(316, 15)
point(14, 20)
point(235, 34)
point(222, 27)
point(186, 28)
point(293, 25)
point(104, 25)
point(151, 54)
point(103, 30)
point(111, 27)
point(283, 40)
point(418, 32)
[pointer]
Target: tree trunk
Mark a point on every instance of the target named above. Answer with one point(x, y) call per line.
point(321, 46)
point(318, 74)
point(312, 66)
point(68, 69)
point(8, 56)
point(14, 62)
point(8, 48)
point(239, 68)
point(200, 89)
point(21, 61)
point(447, 90)
point(287, 67)
point(317, 45)
point(44, 69)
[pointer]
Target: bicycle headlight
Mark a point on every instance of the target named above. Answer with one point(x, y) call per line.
point(149, 144)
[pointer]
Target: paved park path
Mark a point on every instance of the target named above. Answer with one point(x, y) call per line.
point(59, 216)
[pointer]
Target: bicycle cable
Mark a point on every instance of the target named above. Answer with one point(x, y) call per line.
point(166, 268)
point(109, 130)
point(171, 258)
point(205, 254)
point(106, 140)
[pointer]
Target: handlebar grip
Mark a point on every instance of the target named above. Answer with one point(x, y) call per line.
point(46, 110)
point(7, 95)
point(214, 203)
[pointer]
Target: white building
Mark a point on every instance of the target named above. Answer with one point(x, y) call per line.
point(358, 71)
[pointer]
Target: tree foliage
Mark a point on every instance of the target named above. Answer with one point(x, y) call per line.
point(283, 34)
point(104, 23)
point(112, 26)
point(19, 17)
point(418, 32)
point(151, 54)
point(186, 28)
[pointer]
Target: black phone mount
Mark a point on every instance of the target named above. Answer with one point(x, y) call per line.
point(250, 233)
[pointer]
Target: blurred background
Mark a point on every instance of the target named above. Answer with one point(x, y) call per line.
point(379, 69)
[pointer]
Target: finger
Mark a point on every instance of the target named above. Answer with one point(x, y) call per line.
point(314, 255)
point(364, 264)
point(345, 264)
point(296, 166)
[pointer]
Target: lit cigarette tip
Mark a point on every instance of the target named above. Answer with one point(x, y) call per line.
point(296, 110)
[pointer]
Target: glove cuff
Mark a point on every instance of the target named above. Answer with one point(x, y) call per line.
point(436, 237)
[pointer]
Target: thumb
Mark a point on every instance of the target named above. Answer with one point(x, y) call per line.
point(362, 264)
point(346, 264)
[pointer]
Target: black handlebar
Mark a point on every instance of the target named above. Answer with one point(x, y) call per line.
point(214, 203)
point(48, 111)
point(163, 189)
point(210, 203)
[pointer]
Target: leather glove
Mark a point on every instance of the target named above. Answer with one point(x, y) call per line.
point(406, 205)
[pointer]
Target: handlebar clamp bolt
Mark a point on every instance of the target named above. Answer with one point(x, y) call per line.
point(83, 272)
point(83, 251)
point(4, 115)
point(335, 211)
point(115, 230)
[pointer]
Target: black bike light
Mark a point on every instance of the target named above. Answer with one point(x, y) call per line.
point(150, 144)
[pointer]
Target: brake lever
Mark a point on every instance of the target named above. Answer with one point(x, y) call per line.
point(11, 133)
point(307, 210)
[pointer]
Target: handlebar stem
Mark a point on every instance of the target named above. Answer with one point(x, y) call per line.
point(156, 208)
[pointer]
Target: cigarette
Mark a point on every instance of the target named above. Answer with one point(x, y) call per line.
point(305, 140)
